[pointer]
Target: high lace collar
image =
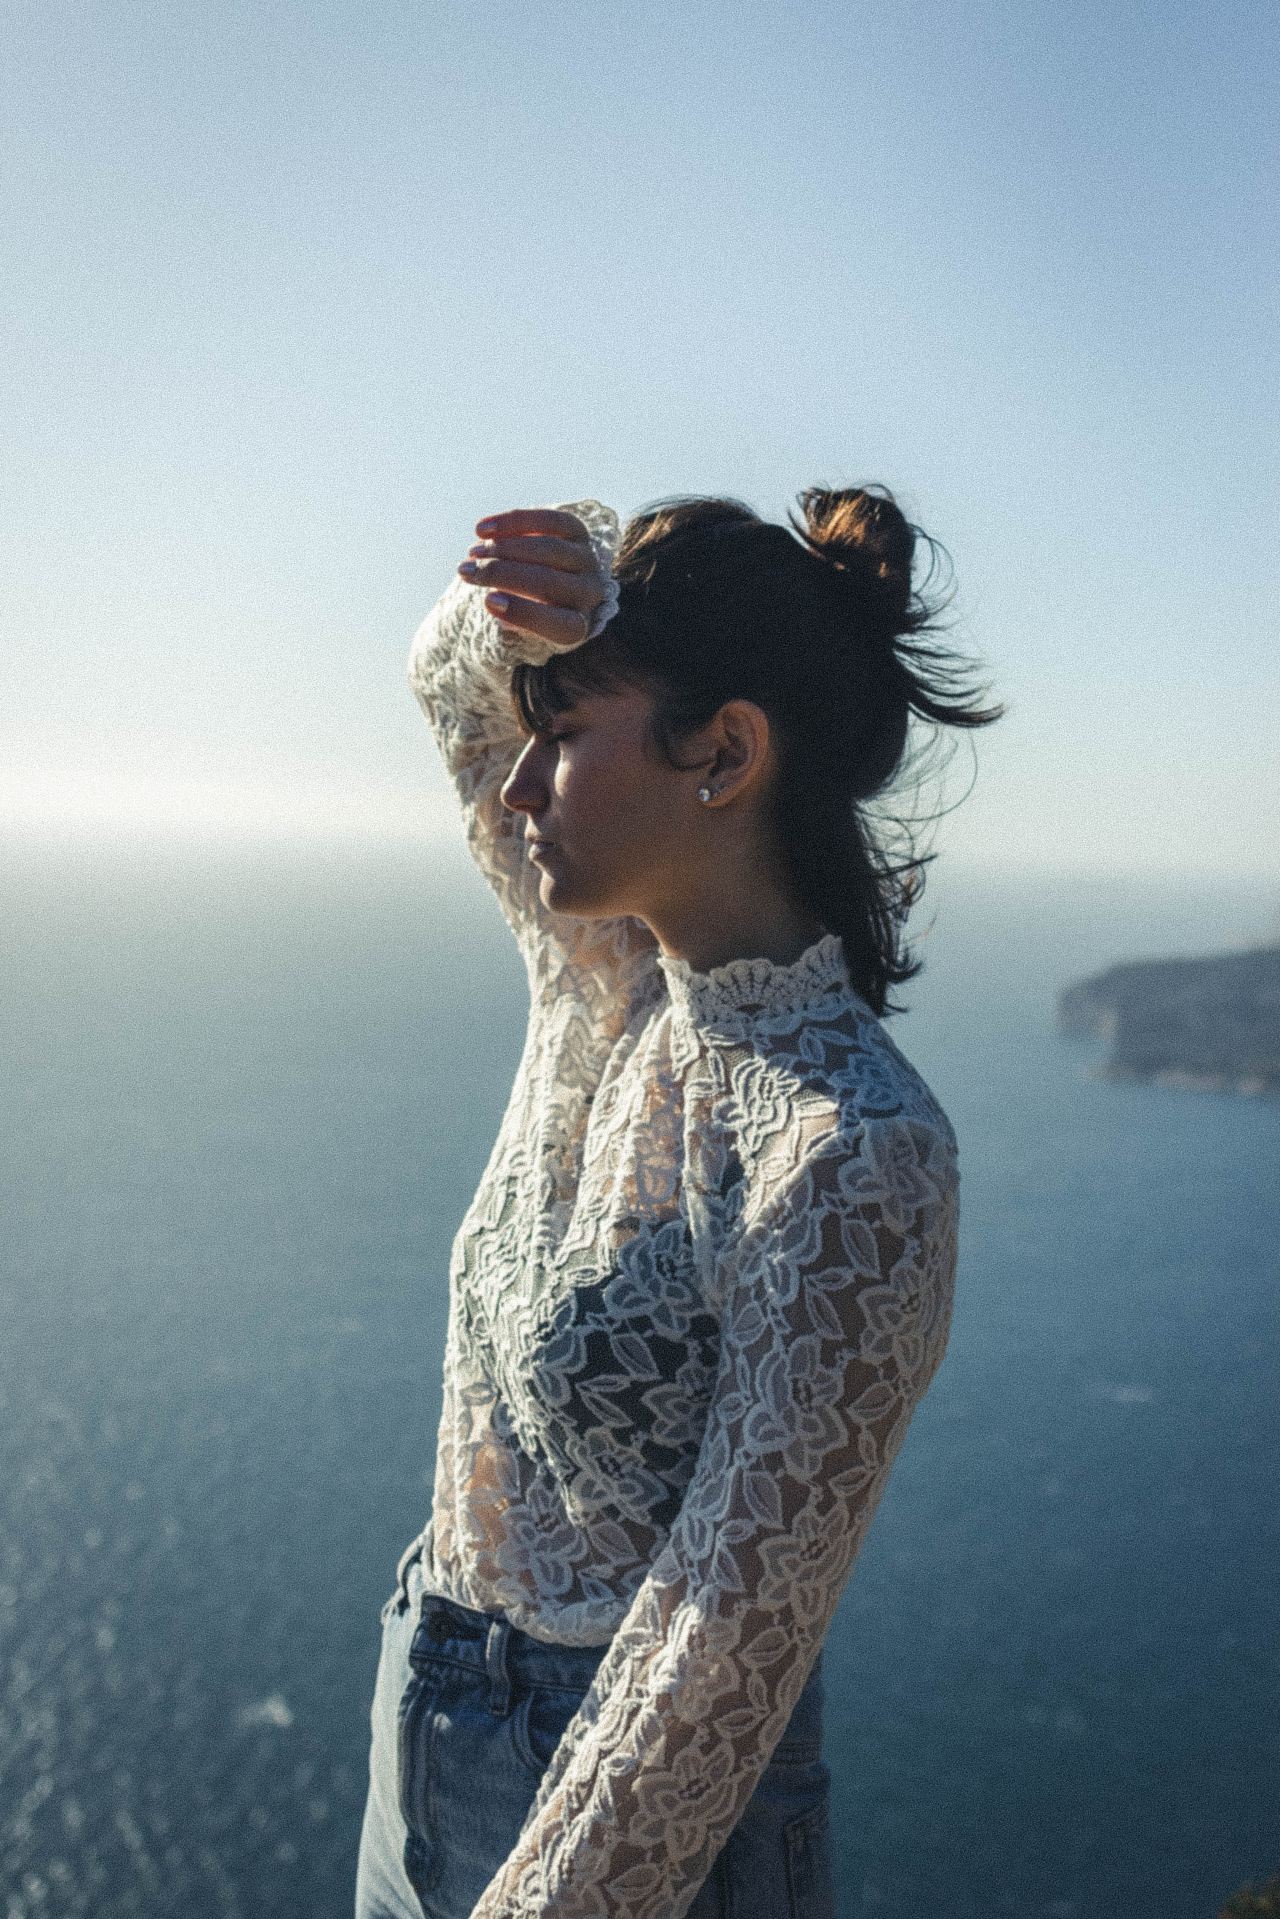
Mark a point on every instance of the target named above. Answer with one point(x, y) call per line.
point(733, 996)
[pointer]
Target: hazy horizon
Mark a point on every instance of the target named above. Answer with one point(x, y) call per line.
point(1107, 914)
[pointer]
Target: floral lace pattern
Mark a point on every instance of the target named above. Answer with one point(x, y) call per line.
point(705, 1280)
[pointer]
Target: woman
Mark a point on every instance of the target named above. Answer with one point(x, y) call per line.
point(707, 1275)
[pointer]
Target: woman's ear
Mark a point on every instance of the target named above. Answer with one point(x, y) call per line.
point(743, 749)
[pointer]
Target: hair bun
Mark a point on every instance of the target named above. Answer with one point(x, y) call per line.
point(862, 531)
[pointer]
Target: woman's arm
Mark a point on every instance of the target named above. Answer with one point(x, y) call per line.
point(836, 1315)
point(460, 669)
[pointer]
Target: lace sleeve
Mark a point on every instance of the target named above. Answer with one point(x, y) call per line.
point(835, 1317)
point(460, 673)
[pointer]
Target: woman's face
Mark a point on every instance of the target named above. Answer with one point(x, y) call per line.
point(620, 820)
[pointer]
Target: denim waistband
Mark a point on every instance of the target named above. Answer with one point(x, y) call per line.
point(488, 1642)
point(510, 1657)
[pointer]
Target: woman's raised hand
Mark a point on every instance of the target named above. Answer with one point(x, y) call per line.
point(539, 572)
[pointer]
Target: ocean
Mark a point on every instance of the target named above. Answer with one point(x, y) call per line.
point(248, 1095)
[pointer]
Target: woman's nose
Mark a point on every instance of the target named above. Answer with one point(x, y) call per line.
point(521, 791)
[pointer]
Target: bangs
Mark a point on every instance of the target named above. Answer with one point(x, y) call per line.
point(540, 693)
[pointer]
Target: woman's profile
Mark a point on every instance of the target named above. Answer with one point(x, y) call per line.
point(707, 1274)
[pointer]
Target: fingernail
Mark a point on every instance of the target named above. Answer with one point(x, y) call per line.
point(466, 566)
point(499, 601)
point(486, 526)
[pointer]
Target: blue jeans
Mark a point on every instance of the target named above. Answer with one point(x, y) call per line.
point(467, 1711)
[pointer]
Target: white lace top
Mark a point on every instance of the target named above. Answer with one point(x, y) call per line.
point(704, 1282)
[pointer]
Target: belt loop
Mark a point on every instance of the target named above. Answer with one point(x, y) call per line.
point(495, 1665)
point(400, 1597)
point(411, 1554)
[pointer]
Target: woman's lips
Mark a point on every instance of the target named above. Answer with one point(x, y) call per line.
point(537, 848)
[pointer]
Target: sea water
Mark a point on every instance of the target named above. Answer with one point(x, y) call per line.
point(247, 1097)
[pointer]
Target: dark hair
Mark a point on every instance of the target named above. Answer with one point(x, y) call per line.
point(822, 632)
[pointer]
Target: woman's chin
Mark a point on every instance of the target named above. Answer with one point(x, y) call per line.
point(556, 889)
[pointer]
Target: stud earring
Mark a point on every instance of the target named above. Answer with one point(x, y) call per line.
point(704, 792)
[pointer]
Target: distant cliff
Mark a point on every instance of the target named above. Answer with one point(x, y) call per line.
point(1211, 1023)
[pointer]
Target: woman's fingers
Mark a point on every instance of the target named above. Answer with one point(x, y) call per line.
point(532, 519)
point(548, 583)
point(541, 549)
point(542, 561)
point(559, 626)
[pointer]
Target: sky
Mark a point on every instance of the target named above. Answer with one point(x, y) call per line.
point(295, 294)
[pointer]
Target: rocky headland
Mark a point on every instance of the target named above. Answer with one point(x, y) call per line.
point(1209, 1023)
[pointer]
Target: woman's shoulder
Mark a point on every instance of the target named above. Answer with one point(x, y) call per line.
point(883, 1079)
point(841, 1076)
